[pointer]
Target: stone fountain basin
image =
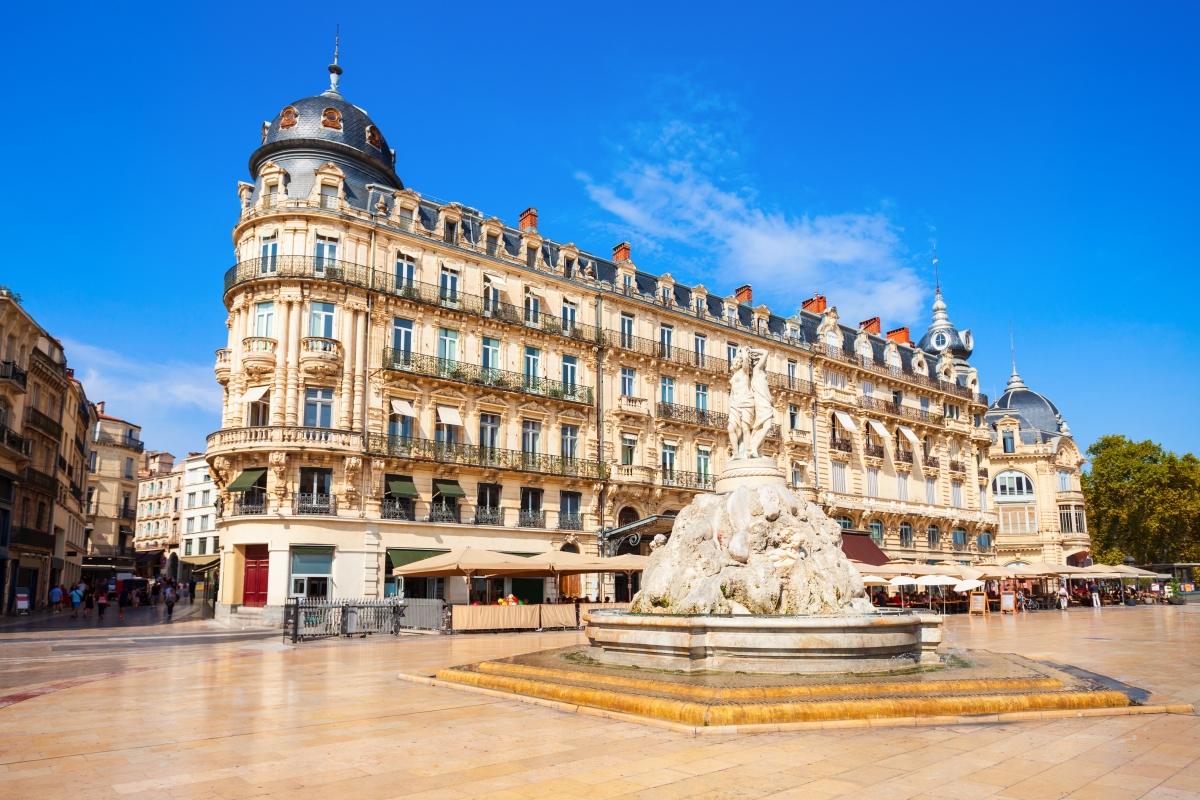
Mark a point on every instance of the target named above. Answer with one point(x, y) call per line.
point(784, 644)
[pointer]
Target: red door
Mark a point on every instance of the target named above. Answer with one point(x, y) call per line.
point(254, 585)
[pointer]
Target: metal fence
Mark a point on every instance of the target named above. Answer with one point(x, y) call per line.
point(305, 619)
point(419, 613)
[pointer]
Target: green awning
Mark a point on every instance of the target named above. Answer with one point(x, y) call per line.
point(403, 556)
point(403, 487)
point(245, 482)
point(448, 489)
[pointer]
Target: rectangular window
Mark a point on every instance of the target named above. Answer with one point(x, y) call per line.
point(627, 381)
point(531, 257)
point(627, 282)
point(570, 441)
point(493, 244)
point(898, 397)
point(318, 408)
point(931, 491)
point(570, 372)
point(702, 397)
point(983, 501)
point(569, 503)
point(868, 389)
point(902, 486)
point(668, 459)
point(791, 374)
point(667, 390)
point(1080, 520)
point(191, 524)
point(703, 462)
point(204, 498)
point(488, 495)
point(628, 449)
point(797, 475)
point(793, 418)
point(191, 500)
point(569, 311)
point(264, 320)
point(402, 335)
point(872, 482)
point(839, 477)
point(450, 232)
point(1009, 445)
point(448, 286)
point(533, 310)
point(129, 468)
point(956, 499)
point(270, 251)
point(531, 499)
point(925, 405)
point(700, 344)
point(491, 354)
point(627, 330)
point(531, 436)
point(533, 361)
point(1064, 481)
point(1017, 519)
point(326, 253)
point(447, 345)
point(406, 271)
point(400, 426)
point(321, 320)
point(834, 380)
point(187, 544)
point(730, 351)
point(1066, 520)
point(489, 430)
point(952, 411)
point(316, 480)
point(666, 338)
point(204, 524)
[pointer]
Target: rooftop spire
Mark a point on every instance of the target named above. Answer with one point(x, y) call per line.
point(940, 318)
point(1015, 381)
point(334, 70)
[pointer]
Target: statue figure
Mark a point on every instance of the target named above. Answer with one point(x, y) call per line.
point(750, 408)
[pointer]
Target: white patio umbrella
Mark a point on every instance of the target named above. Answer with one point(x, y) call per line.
point(873, 580)
point(968, 585)
point(902, 581)
point(936, 580)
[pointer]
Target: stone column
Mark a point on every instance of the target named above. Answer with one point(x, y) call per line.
point(279, 392)
point(345, 394)
point(293, 357)
point(236, 374)
point(360, 358)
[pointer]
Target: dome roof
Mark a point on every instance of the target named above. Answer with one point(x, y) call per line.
point(942, 335)
point(1032, 410)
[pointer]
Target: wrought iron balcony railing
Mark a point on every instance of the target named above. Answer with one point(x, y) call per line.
point(315, 504)
point(250, 503)
point(13, 441)
point(931, 462)
point(36, 479)
point(873, 450)
point(488, 457)
point(683, 479)
point(475, 375)
point(904, 456)
point(983, 472)
point(900, 410)
point(9, 371)
point(397, 508)
point(488, 515)
point(568, 521)
point(443, 512)
point(691, 416)
point(128, 513)
point(32, 537)
point(531, 519)
point(843, 445)
point(957, 466)
point(43, 422)
point(317, 267)
point(104, 437)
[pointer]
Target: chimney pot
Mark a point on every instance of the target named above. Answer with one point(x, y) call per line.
point(816, 304)
point(528, 220)
point(900, 336)
point(621, 252)
point(744, 294)
point(870, 325)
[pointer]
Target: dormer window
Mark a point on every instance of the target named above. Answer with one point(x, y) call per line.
point(531, 257)
point(374, 137)
point(331, 118)
point(287, 118)
point(329, 197)
point(665, 293)
point(270, 195)
point(450, 234)
point(627, 282)
point(940, 340)
point(1009, 443)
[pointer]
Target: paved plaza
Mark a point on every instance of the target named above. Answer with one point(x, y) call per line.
point(193, 709)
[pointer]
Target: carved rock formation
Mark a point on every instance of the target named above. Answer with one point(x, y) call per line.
point(757, 550)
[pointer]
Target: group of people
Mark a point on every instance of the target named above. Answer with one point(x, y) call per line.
point(84, 597)
point(1089, 594)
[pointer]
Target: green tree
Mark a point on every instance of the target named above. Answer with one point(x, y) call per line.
point(1142, 501)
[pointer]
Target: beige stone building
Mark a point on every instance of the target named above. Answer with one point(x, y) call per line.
point(156, 525)
point(1035, 485)
point(177, 519)
point(116, 459)
point(44, 417)
point(405, 375)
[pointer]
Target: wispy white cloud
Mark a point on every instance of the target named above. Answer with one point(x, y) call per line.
point(678, 186)
point(176, 403)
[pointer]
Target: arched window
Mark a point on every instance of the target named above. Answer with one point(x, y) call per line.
point(933, 535)
point(985, 541)
point(845, 522)
point(940, 340)
point(627, 516)
point(906, 535)
point(876, 531)
point(1012, 485)
point(832, 339)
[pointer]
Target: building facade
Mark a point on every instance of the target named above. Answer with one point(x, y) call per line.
point(1035, 484)
point(70, 510)
point(116, 459)
point(177, 518)
point(405, 375)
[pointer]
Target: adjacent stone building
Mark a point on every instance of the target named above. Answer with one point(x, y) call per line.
point(405, 375)
point(177, 519)
point(116, 458)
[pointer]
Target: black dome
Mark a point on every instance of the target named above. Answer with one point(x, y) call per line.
point(1030, 408)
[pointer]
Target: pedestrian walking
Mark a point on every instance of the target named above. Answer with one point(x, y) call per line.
point(89, 602)
point(1063, 597)
point(169, 599)
point(1095, 590)
point(122, 601)
point(101, 600)
point(76, 599)
point(55, 600)
point(135, 598)
point(191, 591)
point(154, 593)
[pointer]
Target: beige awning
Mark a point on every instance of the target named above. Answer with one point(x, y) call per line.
point(878, 427)
point(448, 415)
point(908, 434)
point(403, 407)
point(846, 420)
point(254, 394)
point(465, 561)
point(496, 279)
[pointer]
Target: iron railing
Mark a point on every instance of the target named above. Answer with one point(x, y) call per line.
point(900, 410)
point(104, 437)
point(691, 416)
point(9, 371)
point(310, 618)
point(904, 456)
point(843, 445)
point(531, 519)
point(957, 466)
point(13, 440)
point(128, 513)
point(422, 614)
point(44, 422)
point(39, 480)
point(250, 504)
point(475, 375)
point(315, 503)
point(400, 508)
point(873, 450)
point(443, 512)
point(683, 479)
point(570, 522)
point(488, 515)
point(983, 472)
point(931, 462)
point(32, 537)
point(319, 267)
point(490, 457)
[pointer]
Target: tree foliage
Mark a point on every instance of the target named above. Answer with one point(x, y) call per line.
point(1142, 501)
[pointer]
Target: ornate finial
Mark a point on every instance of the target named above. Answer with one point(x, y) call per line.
point(1015, 381)
point(937, 281)
point(334, 70)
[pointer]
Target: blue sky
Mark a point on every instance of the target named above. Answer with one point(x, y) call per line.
point(1048, 150)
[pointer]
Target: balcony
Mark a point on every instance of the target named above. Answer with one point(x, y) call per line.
point(223, 365)
point(270, 437)
point(904, 456)
point(531, 519)
point(314, 504)
point(12, 375)
point(691, 416)
point(105, 437)
point(957, 466)
point(31, 537)
point(39, 481)
point(44, 423)
point(568, 521)
point(797, 436)
point(443, 512)
point(292, 267)
point(630, 473)
point(983, 473)
point(665, 352)
point(628, 404)
point(249, 504)
point(258, 355)
point(475, 375)
point(902, 411)
point(788, 383)
point(397, 508)
point(488, 515)
point(330, 202)
point(841, 445)
point(487, 457)
point(128, 513)
point(320, 356)
point(874, 450)
point(931, 462)
point(682, 479)
point(14, 441)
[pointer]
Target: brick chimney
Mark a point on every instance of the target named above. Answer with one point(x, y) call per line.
point(528, 220)
point(899, 336)
point(816, 305)
point(621, 252)
point(100, 407)
point(870, 325)
point(744, 294)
